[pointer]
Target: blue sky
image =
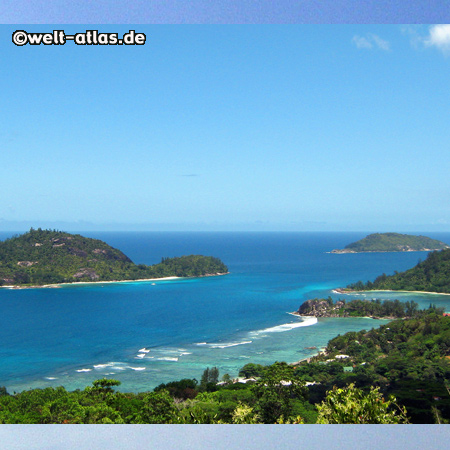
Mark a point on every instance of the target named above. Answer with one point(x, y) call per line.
point(293, 127)
point(223, 11)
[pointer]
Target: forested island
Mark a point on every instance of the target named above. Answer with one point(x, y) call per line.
point(397, 373)
point(43, 257)
point(393, 242)
point(430, 275)
point(376, 309)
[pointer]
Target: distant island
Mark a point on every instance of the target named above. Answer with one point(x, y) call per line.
point(376, 309)
point(42, 257)
point(430, 275)
point(393, 242)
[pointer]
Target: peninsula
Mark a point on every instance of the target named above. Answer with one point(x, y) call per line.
point(393, 242)
point(42, 257)
point(375, 309)
point(430, 275)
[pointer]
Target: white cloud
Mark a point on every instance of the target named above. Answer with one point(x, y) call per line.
point(371, 41)
point(381, 43)
point(439, 37)
point(361, 42)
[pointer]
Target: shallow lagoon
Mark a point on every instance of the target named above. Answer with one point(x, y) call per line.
point(146, 333)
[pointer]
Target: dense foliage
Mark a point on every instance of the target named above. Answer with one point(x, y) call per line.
point(267, 401)
point(362, 377)
point(395, 242)
point(351, 405)
point(409, 358)
point(432, 275)
point(42, 257)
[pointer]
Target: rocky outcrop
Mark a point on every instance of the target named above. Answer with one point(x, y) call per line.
point(26, 263)
point(89, 273)
point(320, 308)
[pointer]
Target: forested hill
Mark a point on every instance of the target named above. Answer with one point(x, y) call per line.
point(432, 275)
point(393, 242)
point(408, 358)
point(45, 257)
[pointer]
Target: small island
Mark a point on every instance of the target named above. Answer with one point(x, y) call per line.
point(393, 242)
point(46, 257)
point(430, 275)
point(375, 309)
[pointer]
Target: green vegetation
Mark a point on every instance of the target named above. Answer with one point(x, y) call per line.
point(351, 405)
point(184, 401)
point(42, 257)
point(359, 308)
point(408, 358)
point(397, 373)
point(432, 275)
point(393, 242)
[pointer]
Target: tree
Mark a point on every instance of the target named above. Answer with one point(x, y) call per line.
point(182, 389)
point(244, 414)
point(411, 308)
point(102, 389)
point(351, 405)
point(3, 391)
point(214, 375)
point(276, 391)
point(63, 410)
point(209, 379)
point(252, 370)
point(226, 378)
point(158, 407)
point(105, 385)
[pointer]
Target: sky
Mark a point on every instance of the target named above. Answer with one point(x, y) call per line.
point(223, 11)
point(258, 127)
point(299, 127)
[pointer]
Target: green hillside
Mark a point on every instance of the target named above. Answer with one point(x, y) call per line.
point(409, 358)
point(432, 275)
point(42, 257)
point(393, 242)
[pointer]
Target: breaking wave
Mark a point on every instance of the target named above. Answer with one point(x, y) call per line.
point(223, 344)
point(287, 326)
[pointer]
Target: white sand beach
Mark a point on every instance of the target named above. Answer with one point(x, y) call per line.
point(341, 291)
point(57, 285)
point(88, 282)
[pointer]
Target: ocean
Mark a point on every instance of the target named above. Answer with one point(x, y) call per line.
point(147, 333)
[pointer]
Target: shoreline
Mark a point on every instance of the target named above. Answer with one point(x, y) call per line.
point(322, 351)
point(58, 285)
point(295, 313)
point(342, 291)
point(345, 252)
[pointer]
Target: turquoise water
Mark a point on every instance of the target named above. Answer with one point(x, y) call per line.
point(147, 333)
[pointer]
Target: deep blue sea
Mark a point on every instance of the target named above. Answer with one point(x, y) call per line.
point(147, 333)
